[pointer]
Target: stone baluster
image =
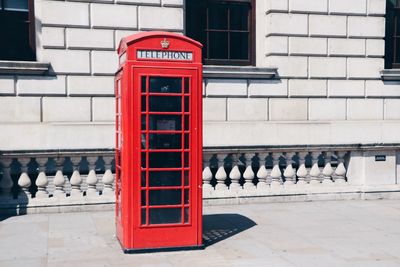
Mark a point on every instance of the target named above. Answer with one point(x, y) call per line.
point(207, 174)
point(327, 172)
point(302, 171)
point(315, 172)
point(339, 175)
point(24, 181)
point(221, 174)
point(91, 179)
point(59, 179)
point(248, 174)
point(76, 179)
point(289, 173)
point(6, 183)
point(276, 174)
point(108, 177)
point(41, 180)
point(262, 173)
point(235, 174)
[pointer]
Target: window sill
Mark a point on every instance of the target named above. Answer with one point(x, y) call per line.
point(390, 75)
point(236, 72)
point(24, 67)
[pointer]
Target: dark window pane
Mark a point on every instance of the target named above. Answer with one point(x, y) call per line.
point(143, 215)
point(165, 103)
point(186, 159)
point(218, 17)
point(186, 212)
point(143, 198)
point(165, 160)
point(187, 85)
point(143, 122)
point(143, 141)
point(165, 197)
point(187, 104)
point(143, 108)
point(143, 163)
point(187, 122)
point(165, 141)
point(143, 82)
point(186, 178)
point(165, 122)
point(239, 17)
point(218, 45)
point(143, 179)
point(165, 216)
point(239, 46)
point(187, 141)
point(186, 196)
point(165, 85)
point(16, 5)
point(165, 178)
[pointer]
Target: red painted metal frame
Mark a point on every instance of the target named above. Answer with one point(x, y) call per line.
point(132, 234)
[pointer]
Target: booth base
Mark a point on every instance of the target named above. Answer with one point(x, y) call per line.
point(162, 249)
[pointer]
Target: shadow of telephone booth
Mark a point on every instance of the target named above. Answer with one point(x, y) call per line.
point(159, 143)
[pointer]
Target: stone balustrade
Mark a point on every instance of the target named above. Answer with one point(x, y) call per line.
point(85, 179)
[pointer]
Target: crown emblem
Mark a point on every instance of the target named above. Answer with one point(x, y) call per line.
point(165, 43)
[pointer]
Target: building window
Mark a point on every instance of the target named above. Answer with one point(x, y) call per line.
point(225, 28)
point(392, 50)
point(17, 30)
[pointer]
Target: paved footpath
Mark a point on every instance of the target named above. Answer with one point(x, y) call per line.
point(311, 234)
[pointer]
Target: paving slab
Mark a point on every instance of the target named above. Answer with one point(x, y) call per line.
point(331, 233)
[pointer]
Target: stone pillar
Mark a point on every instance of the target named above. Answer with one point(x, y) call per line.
point(6, 182)
point(24, 181)
point(339, 175)
point(59, 179)
point(248, 174)
point(328, 170)
point(108, 177)
point(41, 180)
point(289, 173)
point(235, 174)
point(262, 173)
point(276, 174)
point(207, 174)
point(315, 172)
point(221, 174)
point(302, 171)
point(76, 179)
point(91, 179)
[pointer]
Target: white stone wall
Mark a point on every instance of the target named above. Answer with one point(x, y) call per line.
point(328, 55)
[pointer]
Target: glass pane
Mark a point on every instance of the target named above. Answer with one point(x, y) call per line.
point(187, 85)
point(143, 141)
point(218, 17)
point(143, 122)
point(186, 215)
point(143, 215)
point(143, 108)
point(165, 160)
point(165, 197)
point(143, 198)
point(143, 163)
point(218, 45)
point(239, 46)
point(186, 159)
point(143, 179)
point(186, 196)
point(165, 85)
point(186, 104)
point(186, 178)
point(165, 122)
point(143, 82)
point(165, 178)
point(165, 216)
point(16, 5)
point(187, 123)
point(165, 103)
point(165, 141)
point(187, 141)
point(239, 17)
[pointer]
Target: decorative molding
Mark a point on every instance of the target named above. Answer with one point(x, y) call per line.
point(233, 72)
point(24, 67)
point(390, 74)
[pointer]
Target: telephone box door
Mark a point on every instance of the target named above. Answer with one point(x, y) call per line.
point(166, 195)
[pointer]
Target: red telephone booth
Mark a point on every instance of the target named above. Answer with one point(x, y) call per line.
point(159, 142)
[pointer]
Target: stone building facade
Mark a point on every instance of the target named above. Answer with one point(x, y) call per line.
point(318, 78)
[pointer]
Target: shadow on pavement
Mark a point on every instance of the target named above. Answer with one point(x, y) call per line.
point(218, 227)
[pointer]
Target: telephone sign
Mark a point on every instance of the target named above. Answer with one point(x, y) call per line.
point(158, 90)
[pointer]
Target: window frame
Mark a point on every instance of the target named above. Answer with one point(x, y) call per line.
point(31, 38)
point(392, 41)
point(251, 39)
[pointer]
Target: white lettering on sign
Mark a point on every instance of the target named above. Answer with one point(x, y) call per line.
point(164, 55)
